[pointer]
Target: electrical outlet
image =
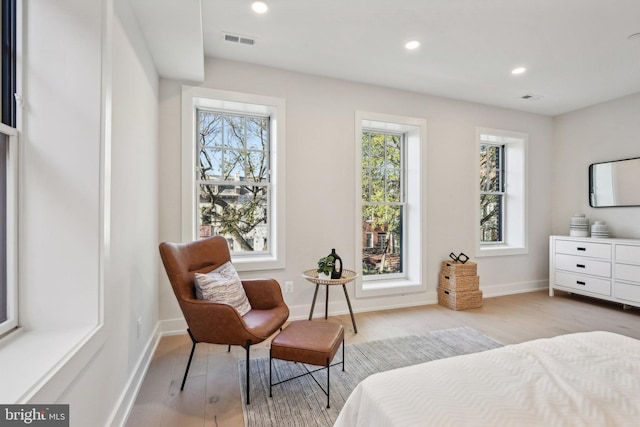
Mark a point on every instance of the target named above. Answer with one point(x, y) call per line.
point(139, 327)
point(288, 286)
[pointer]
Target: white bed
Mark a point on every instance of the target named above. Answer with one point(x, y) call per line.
point(584, 379)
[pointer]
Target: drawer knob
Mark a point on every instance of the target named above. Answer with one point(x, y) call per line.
point(446, 277)
point(580, 283)
point(582, 249)
point(580, 265)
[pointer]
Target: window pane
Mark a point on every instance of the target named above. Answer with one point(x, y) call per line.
point(256, 133)
point(237, 213)
point(491, 165)
point(210, 128)
point(394, 151)
point(377, 190)
point(234, 132)
point(377, 149)
point(366, 182)
point(491, 211)
point(233, 165)
point(366, 148)
point(257, 167)
point(384, 255)
point(210, 162)
point(490, 180)
point(393, 185)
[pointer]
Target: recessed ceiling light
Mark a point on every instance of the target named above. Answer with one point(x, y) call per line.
point(259, 7)
point(413, 44)
point(518, 70)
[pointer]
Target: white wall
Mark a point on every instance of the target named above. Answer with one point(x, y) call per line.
point(320, 178)
point(607, 131)
point(69, 275)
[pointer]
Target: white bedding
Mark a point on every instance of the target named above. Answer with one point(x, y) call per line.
point(584, 379)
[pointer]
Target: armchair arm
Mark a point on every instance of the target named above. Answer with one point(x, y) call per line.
point(263, 294)
point(216, 323)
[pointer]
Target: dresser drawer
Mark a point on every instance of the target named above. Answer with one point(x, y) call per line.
point(627, 272)
point(583, 283)
point(628, 254)
point(627, 291)
point(583, 265)
point(588, 249)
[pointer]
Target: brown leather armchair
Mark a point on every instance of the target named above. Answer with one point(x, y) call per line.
point(219, 323)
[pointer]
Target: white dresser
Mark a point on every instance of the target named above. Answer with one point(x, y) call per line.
point(602, 268)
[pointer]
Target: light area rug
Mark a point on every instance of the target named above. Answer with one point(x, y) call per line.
point(301, 402)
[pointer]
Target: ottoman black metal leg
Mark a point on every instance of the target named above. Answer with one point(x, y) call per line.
point(328, 385)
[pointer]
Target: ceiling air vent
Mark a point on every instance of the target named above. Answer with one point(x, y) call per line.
point(235, 38)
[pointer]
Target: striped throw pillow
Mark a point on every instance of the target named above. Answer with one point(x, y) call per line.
point(223, 285)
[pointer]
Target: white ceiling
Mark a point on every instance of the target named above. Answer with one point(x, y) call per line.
point(576, 51)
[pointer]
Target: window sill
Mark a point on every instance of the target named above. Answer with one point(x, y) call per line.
point(500, 250)
point(375, 288)
point(257, 263)
point(44, 363)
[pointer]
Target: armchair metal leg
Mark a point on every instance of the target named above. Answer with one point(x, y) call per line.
point(248, 347)
point(193, 347)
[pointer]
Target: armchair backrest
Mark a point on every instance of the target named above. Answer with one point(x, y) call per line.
point(183, 260)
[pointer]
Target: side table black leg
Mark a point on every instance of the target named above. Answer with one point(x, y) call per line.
point(313, 304)
point(326, 302)
point(353, 319)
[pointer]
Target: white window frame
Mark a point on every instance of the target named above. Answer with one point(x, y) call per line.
point(515, 229)
point(239, 103)
point(11, 228)
point(415, 130)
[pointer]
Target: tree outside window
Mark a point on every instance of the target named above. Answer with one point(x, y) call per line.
point(383, 202)
point(233, 179)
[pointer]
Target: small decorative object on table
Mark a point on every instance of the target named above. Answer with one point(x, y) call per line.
point(327, 266)
point(579, 226)
point(599, 229)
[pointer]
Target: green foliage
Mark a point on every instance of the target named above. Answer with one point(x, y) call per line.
point(325, 265)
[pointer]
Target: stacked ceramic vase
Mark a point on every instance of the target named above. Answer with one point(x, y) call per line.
point(599, 229)
point(579, 226)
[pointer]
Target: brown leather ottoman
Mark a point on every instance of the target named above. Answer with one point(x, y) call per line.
point(314, 343)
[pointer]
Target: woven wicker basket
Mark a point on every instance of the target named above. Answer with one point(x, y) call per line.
point(459, 283)
point(453, 268)
point(459, 300)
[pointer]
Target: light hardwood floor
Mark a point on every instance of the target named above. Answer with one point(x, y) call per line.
point(212, 393)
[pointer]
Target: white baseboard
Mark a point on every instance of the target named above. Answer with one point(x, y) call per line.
point(173, 326)
point(514, 288)
point(120, 413)
point(337, 308)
